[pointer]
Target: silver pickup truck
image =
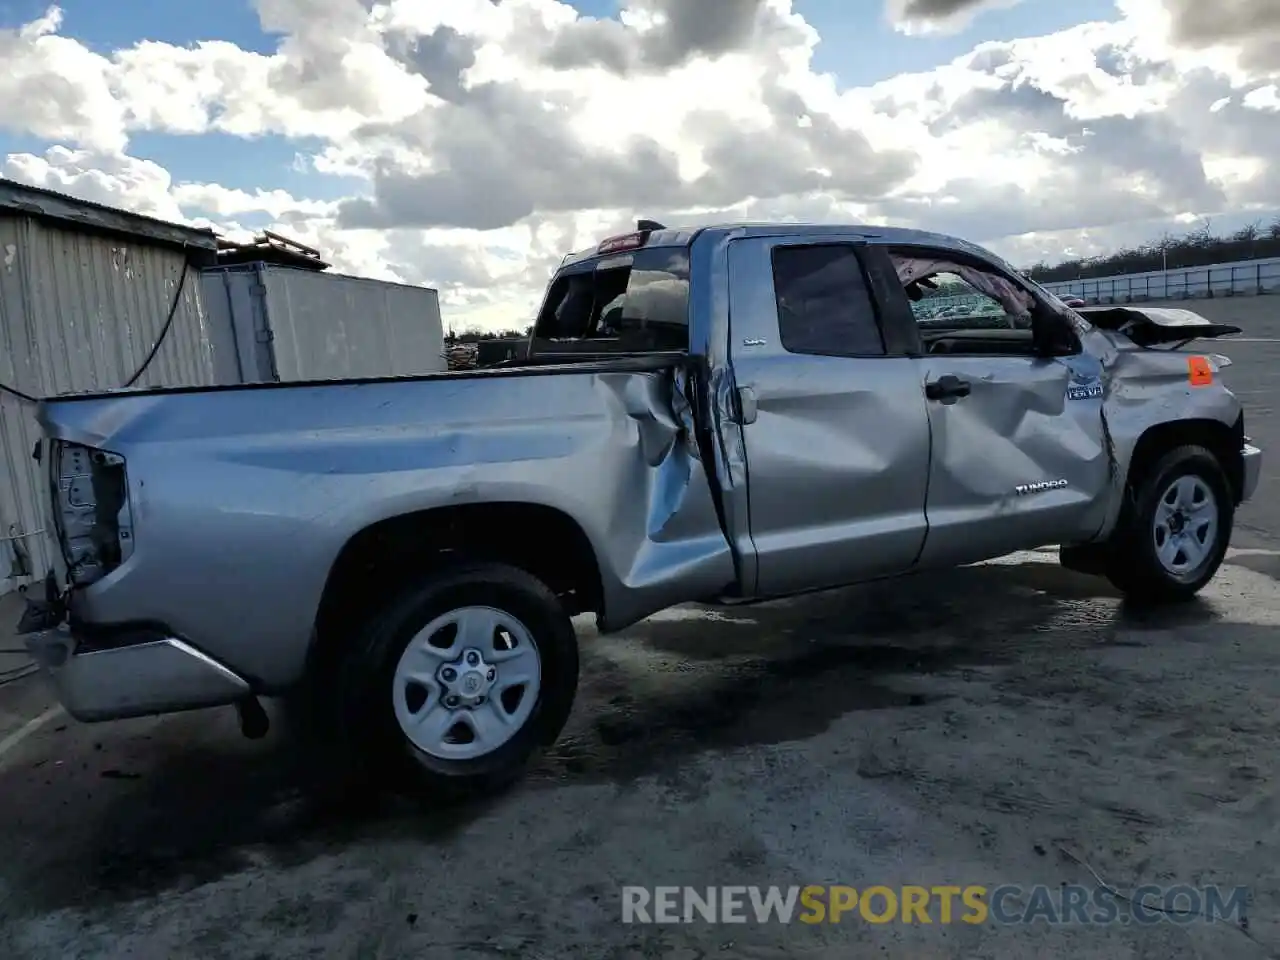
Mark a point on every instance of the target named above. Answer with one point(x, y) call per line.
point(725, 414)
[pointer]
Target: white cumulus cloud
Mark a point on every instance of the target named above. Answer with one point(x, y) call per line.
point(488, 137)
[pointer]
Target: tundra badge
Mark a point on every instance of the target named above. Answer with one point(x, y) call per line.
point(1023, 489)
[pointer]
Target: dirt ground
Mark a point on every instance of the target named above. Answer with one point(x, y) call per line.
point(982, 726)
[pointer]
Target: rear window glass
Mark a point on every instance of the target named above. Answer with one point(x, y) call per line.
point(633, 302)
point(824, 303)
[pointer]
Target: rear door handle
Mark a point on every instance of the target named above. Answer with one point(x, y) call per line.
point(947, 389)
point(747, 408)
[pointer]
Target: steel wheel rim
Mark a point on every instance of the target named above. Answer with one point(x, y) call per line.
point(1184, 530)
point(467, 683)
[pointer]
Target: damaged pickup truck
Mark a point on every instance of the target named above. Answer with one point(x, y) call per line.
point(725, 414)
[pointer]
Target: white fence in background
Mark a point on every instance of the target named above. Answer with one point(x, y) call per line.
point(1241, 279)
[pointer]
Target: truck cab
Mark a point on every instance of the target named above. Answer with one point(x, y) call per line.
point(856, 435)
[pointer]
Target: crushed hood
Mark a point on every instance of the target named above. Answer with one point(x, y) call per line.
point(1150, 326)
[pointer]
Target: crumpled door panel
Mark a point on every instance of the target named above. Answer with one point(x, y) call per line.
point(1021, 460)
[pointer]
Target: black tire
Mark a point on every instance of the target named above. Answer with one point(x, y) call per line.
point(371, 733)
point(1132, 562)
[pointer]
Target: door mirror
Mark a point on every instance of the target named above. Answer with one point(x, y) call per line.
point(1052, 334)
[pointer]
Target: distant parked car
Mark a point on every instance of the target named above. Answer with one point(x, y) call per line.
point(1074, 302)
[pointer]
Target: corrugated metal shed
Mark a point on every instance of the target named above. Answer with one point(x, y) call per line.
point(296, 324)
point(84, 293)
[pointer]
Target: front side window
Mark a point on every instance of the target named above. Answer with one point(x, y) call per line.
point(946, 295)
point(961, 306)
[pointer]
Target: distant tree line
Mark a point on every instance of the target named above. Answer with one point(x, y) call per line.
point(1199, 248)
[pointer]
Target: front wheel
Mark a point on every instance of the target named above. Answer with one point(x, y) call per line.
point(453, 688)
point(1174, 530)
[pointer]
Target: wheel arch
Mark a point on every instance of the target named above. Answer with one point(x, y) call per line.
point(1224, 441)
point(379, 561)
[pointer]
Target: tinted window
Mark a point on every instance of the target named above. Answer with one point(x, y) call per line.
point(634, 302)
point(824, 304)
point(655, 308)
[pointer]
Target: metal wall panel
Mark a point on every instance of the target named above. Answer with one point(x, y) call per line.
point(233, 297)
point(329, 326)
point(80, 312)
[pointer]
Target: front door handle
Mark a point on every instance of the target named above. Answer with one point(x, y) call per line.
point(947, 389)
point(747, 409)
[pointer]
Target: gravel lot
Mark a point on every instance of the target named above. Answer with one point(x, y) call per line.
point(982, 726)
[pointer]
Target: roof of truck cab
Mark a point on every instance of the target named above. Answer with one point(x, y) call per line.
point(905, 236)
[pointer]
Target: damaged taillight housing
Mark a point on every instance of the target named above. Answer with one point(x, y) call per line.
point(91, 512)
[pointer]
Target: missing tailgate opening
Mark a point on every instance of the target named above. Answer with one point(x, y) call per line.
point(93, 517)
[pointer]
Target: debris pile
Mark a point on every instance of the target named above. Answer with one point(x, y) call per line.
point(268, 247)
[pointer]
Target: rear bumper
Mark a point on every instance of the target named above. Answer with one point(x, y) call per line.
point(149, 675)
point(1251, 458)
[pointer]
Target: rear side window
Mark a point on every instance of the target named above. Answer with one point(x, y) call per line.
point(634, 303)
point(824, 302)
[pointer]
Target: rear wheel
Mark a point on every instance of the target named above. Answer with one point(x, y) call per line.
point(1174, 530)
point(454, 687)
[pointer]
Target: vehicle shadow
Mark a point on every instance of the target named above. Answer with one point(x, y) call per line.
point(116, 812)
point(712, 677)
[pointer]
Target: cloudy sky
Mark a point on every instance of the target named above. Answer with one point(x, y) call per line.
point(468, 144)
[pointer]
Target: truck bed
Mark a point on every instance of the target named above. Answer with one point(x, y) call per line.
point(280, 477)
